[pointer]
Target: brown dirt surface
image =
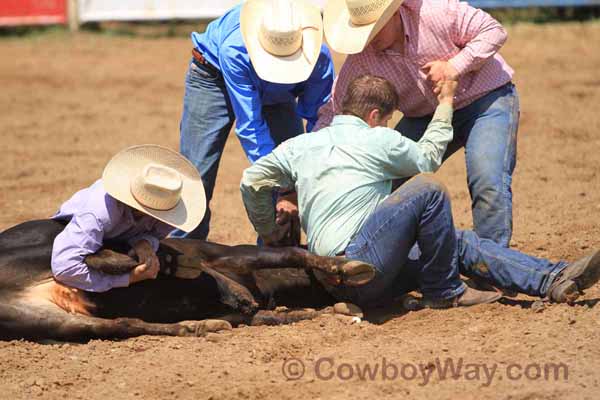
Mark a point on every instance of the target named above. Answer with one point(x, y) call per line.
point(71, 101)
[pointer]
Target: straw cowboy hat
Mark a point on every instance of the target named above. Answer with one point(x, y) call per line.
point(351, 24)
point(159, 182)
point(283, 38)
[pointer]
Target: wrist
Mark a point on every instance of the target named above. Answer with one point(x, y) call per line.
point(133, 277)
point(447, 102)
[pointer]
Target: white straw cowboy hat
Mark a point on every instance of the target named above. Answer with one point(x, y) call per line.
point(283, 38)
point(159, 182)
point(351, 24)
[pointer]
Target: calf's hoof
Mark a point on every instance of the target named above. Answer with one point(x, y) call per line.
point(348, 309)
point(201, 328)
point(356, 273)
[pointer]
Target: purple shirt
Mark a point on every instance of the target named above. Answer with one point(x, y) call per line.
point(93, 216)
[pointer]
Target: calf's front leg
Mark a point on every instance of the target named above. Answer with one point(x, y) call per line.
point(190, 254)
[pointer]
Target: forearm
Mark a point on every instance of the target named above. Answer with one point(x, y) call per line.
point(258, 201)
point(478, 35)
point(435, 140)
point(473, 56)
point(82, 236)
point(79, 275)
point(250, 126)
point(256, 140)
point(257, 185)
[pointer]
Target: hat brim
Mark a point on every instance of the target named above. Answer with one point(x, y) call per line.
point(129, 163)
point(347, 38)
point(282, 69)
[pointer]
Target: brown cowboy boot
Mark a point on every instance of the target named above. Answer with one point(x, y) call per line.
point(576, 277)
point(470, 297)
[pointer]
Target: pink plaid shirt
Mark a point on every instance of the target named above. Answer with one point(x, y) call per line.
point(467, 37)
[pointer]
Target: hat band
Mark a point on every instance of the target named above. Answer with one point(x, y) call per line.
point(152, 196)
point(366, 14)
point(281, 44)
point(289, 52)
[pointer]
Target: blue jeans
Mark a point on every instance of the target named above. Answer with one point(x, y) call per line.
point(419, 213)
point(206, 122)
point(487, 129)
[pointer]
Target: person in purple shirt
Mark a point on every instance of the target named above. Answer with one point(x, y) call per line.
point(145, 192)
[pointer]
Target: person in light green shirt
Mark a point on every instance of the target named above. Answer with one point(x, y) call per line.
point(342, 173)
point(343, 178)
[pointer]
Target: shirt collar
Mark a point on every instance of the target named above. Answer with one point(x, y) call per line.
point(348, 120)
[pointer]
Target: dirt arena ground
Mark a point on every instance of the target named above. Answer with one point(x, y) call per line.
point(70, 102)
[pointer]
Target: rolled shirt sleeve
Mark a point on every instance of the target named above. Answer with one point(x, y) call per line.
point(404, 157)
point(258, 181)
point(82, 236)
point(478, 35)
point(317, 89)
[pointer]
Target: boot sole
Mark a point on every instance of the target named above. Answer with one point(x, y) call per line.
point(590, 273)
point(569, 292)
point(414, 304)
point(493, 299)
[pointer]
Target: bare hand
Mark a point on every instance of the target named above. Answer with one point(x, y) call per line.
point(149, 263)
point(286, 208)
point(143, 272)
point(277, 236)
point(288, 228)
point(440, 71)
point(445, 91)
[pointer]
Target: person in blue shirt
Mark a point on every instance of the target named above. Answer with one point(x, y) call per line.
point(263, 65)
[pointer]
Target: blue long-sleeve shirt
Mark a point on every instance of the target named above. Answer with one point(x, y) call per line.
point(223, 47)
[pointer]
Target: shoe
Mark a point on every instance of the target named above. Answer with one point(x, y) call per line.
point(481, 284)
point(576, 277)
point(470, 297)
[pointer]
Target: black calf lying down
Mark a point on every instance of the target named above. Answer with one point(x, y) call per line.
point(203, 287)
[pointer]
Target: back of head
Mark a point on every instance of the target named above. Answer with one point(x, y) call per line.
point(367, 93)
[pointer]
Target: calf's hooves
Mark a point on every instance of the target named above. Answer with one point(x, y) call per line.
point(357, 273)
point(348, 309)
point(411, 303)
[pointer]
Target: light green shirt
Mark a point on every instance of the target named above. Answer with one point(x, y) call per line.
point(341, 174)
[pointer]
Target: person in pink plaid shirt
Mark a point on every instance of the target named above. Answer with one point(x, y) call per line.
point(416, 44)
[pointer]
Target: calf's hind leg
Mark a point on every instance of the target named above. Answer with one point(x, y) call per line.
point(46, 321)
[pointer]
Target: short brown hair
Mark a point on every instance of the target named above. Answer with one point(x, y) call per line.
point(369, 92)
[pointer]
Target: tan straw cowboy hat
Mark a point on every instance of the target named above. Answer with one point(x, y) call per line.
point(159, 182)
point(283, 38)
point(351, 24)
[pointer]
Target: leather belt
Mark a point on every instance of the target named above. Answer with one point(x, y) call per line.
point(199, 60)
